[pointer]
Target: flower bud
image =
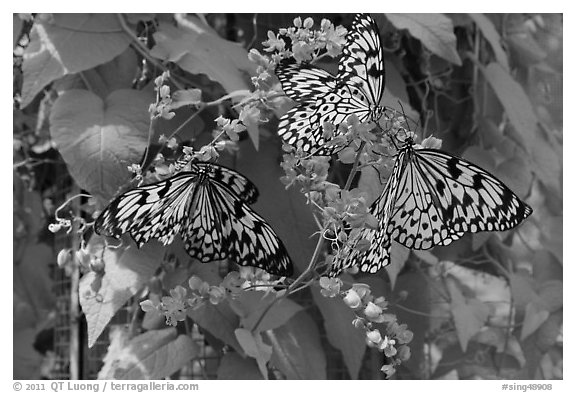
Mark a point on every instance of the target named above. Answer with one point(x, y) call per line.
point(352, 299)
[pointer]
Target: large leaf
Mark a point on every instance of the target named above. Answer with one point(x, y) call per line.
point(127, 270)
point(435, 31)
point(220, 321)
point(340, 332)
point(298, 352)
point(254, 346)
point(547, 161)
point(523, 289)
point(155, 354)
point(485, 288)
point(99, 140)
point(62, 44)
point(235, 367)
point(534, 316)
point(254, 307)
point(493, 37)
point(198, 49)
point(469, 315)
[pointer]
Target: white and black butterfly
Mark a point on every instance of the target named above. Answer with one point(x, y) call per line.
point(208, 207)
point(322, 97)
point(433, 198)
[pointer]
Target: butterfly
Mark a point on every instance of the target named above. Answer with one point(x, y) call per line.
point(209, 207)
point(322, 97)
point(433, 198)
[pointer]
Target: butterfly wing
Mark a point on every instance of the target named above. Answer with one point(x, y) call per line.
point(304, 82)
point(250, 240)
point(357, 89)
point(440, 197)
point(208, 208)
point(238, 184)
point(303, 125)
point(377, 255)
point(157, 210)
point(362, 63)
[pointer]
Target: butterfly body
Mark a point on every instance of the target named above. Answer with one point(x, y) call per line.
point(208, 207)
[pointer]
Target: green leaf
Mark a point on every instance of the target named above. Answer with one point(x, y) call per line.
point(297, 350)
point(469, 315)
point(251, 305)
point(491, 35)
point(503, 342)
point(127, 270)
point(154, 354)
point(484, 287)
point(550, 295)
point(515, 101)
point(551, 235)
point(254, 347)
point(235, 367)
point(340, 332)
point(220, 321)
point(435, 31)
point(519, 109)
point(100, 139)
point(535, 315)
point(63, 44)
point(523, 289)
point(198, 49)
point(526, 49)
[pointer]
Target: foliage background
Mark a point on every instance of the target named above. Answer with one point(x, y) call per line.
point(489, 306)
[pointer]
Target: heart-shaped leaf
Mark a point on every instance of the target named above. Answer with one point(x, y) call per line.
point(154, 354)
point(126, 271)
point(100, 139)
point(469, 315)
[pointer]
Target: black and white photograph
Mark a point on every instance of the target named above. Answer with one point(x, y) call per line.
point(277, 196)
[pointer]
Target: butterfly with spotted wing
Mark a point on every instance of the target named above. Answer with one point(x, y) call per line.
point(209, 207)
point(431, 199)
point(324, 98)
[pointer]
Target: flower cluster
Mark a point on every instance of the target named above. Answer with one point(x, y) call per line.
point(307, 44)
point(391, 339)
point(175, 306)
point(163, 105)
